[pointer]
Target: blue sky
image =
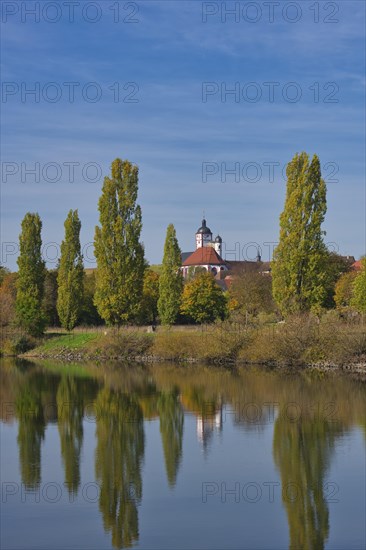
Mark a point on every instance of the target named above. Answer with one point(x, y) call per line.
point(173, 130)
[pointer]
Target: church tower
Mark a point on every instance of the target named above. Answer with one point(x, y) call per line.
point(218, 245)
point(203, 235)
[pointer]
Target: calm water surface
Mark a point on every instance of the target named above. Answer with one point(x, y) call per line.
point(164, 457)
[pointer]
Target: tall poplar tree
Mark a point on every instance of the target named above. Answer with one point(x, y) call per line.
point(171, 280)
point(299, 268)
point(70, 276)
point(118, 251)
point(31, 276)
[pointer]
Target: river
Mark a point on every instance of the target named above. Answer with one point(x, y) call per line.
point(180, 457)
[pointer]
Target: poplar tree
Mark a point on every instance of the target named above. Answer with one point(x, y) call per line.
point(299, 268)
point(70, 276)
point(171, 280)
point(118, 251)
point(31, 276)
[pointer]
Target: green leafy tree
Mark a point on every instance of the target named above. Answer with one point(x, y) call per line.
point(193, 271)
point(171, 280)
point(89, 314)
point(358, 300)
point(70, 274)
point(50, 298)
point(150, 297)
point(118, 251)
point(4, 271)
point(336, 266)
point(344, 289)
point(299, 268)
point(8, 293)
point(31, 276)
point(251, 292)
point(203, 300)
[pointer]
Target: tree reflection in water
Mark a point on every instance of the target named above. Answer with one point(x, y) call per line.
point(31, 431)
point(171, 429)
point(123, 396)
point(302, 450)
point(70, 412)
point(118, 460)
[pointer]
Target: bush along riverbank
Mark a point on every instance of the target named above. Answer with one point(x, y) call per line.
point(300, 341)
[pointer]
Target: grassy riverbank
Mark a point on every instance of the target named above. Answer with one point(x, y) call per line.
point(299, 341)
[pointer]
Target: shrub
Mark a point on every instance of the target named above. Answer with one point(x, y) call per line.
point(21, 344)
point(295, 337)
point(342, 342)
point(121, 343)
point(177, 345)
point(284, 343)
point(213, 343)
point(305, 339)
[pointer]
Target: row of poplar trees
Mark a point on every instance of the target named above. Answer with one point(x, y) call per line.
point(32, 274)
point(120, 262)
point(300, 267)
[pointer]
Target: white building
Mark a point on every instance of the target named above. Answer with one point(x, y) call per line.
point(207, 254)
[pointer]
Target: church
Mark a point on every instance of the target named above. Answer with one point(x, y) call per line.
point(208, 255)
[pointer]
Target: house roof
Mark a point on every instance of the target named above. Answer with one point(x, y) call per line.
point(350, 259)
point(204, 256)
point(184, 256)
point(357, 265)
point(263, 267)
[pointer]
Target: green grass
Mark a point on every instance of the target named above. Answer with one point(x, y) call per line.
point(72, 342)
point(111, 345)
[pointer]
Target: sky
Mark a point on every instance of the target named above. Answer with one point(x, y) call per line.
point(210, 99)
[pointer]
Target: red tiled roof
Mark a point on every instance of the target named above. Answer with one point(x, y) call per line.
point(357, 265)
point(204, 256)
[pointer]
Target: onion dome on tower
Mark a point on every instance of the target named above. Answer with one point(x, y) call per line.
point(203, 235)
point(218, 244)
